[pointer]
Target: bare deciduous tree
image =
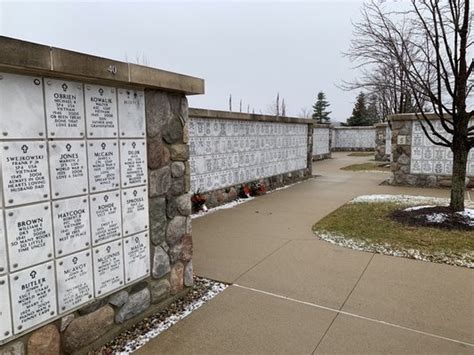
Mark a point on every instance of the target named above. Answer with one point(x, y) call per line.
point(429, 44)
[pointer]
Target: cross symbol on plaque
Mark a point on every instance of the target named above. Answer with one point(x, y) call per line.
point(101, 91)
point(134, 145)
point(106, 198)
point(68, 147)
point(108, 249)
point(135, 193)
point(24, 148)
point(33, 274)
point(103, 145)
point(137, 240)
point(64, 86)
point(74, 260)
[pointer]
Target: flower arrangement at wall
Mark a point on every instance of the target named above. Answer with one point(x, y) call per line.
point(199, 202)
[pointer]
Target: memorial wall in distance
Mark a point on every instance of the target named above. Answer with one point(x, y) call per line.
point(74, 201)
point(225, 153)
point(321, 141)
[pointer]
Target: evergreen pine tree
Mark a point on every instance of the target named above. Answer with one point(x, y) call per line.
point(372, 109)
point(360, 114)
point(319, 109)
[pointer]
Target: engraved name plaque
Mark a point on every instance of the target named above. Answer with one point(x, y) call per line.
point(74, 276)
point(25, 172)
point(131, 110)
point(103, 165)
point(64, 108)
point(105, 217)
point(68, 165)
point(133, 157)
point(5, 314)
point(134, 210)
point(21, 107)
point(33, 296)
point(29, 235)
point(108, 268)
point(3, 256)
point(71, 225)
point(137, 257)
point(101, 111)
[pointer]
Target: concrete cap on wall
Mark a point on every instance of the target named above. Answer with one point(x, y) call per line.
point(354, 127)
point(21, 56)
point(229, 115)
point(414, 116)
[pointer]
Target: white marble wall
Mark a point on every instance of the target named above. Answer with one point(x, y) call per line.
point(229, 152)
point(321, 141)
point(388, 141)
point(354, 138)
point(428, 158)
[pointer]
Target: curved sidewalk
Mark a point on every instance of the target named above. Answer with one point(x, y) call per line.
point(295, 294)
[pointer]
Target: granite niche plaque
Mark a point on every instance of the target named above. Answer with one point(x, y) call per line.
point(108, 268)
point(29, 235)
point(68, 165)
point(103, 165)
point(71, 225)
point(3, 255)
point(25, 172)
point(106, 223)
point(101, 111)
point(133, 157)
point(64, 109)
point(131, 111)
point(5, 314)
point(137, 257)
point(21, 107)
point(74, 277)
point(134, 210)
point(33, 293)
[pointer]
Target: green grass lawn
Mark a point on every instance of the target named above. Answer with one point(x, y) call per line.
point(368, 167)
point(369, 223)
point(361, 154)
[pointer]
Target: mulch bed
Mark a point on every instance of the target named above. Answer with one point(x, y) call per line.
point(420, 218)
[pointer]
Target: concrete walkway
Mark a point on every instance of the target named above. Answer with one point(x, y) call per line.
point(295, 294)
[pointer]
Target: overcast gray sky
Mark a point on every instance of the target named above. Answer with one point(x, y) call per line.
point(251, 50)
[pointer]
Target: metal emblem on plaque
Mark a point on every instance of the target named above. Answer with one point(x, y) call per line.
point(105, 217)
point(64, 108)
point(101, 111)
point(33, 293)
point(68, 168)
point(25, 172)
point(133, 162)
point(134, 210)
point(5, 314)
point(74, 280)
point(71, 225)
point(108, 268)
point(29, 235)
point(21, 107)
point(3, 248)
point(131, 112)
point(136, 257)
point(103, 159)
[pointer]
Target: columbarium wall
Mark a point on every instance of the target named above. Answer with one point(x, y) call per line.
point(95, 232)
point(353, 138)
point(321, 141)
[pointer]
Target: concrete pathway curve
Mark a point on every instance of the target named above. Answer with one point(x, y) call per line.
point(295, 294)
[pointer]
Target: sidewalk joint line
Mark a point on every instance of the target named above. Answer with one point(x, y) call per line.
point(344, 303)
point(353, 315)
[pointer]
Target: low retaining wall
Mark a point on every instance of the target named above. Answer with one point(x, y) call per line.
point(230, 149)
point(81, 278)
point(418, 162)
point(321, 141)
point(383, 142)
point(353, 139)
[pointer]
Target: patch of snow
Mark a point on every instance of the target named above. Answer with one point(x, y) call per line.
point(464, 260)
point(436, 217)
point(415, 208)
point(469, 215)
point(157, 329)
point(402, 199)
